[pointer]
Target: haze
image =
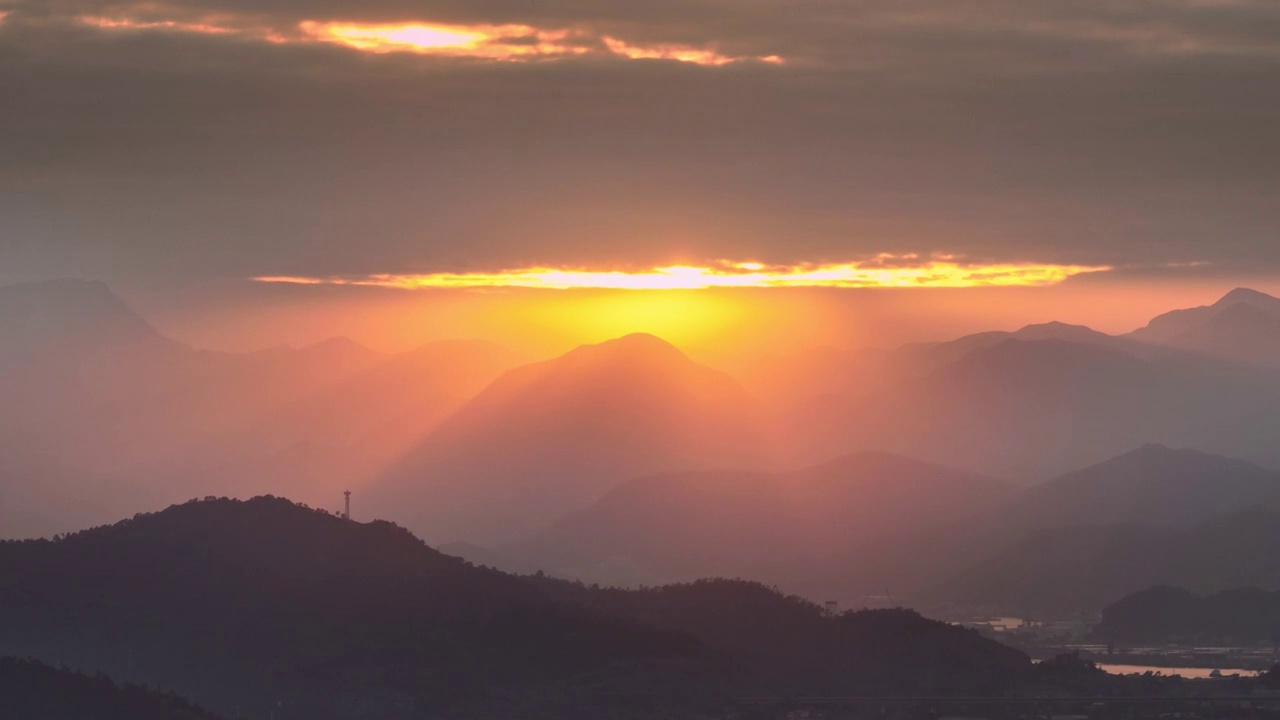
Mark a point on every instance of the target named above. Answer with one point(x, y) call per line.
point(442, 359)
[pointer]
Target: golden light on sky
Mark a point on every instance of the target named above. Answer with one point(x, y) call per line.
point(884, 271)
point(509, 42)
point(105, 23)
point(682, 53)
point(497, 42)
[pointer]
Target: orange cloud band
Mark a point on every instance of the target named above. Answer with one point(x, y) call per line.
point(510, 42)
point(879, 273)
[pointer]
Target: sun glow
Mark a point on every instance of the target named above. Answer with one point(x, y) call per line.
point(884, 271)
point(495, 42)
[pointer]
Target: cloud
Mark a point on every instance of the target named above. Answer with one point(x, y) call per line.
point(417, 36)
point(884, 271)
point(227, 138)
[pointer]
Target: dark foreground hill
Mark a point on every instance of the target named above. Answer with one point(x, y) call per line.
point(793, 644)
point(31, 690)
point(264, 604)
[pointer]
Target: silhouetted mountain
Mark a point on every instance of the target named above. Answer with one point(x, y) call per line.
point(1153, 485)
point(1164, 327)
point(263, 604)
point(792, 641)
point(61, 320)
point(551, 437)
point(1163, 614)
point(1071, 570)
point(1087, 537)
point(1243, 326)
point(143, 421)
point(1241, 332)
point(809, 531)
point(32, 690)
point(933, 355)
point(1035, 408)
point(246, 604)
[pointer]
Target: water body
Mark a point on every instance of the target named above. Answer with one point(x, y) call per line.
point(1186, 672)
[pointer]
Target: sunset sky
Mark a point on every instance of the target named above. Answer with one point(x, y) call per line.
point(248, 173)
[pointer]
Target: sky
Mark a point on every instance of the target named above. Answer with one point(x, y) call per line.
point(1121, 153)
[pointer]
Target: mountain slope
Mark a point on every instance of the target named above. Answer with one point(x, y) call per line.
point(1089, 536)
point(1153, 485)
point(1067, 571)
point(251, 603)
point(1032, 409)
point(809, 531)
point(67, 320)
point(264, 603)
point(1169, 325)
point(548, 438)
point(1243, 326)
point(1164, 614)
point(35, 691)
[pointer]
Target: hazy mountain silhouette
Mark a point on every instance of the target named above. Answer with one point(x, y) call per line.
point(99, 412)
point(1164, 327)
point(1080, 540)
point(932, 355)
point(1026, 409)
point(1164, 614)
point(1009, 407)
point(250, 604)
point(809, 531)
point(1153, 485)
point(551, 437)
point(34, 691)
point(60, 320)
point(1070, 570)
point(1243, 326)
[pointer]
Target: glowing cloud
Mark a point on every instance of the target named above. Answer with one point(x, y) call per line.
point(494, 42)
point(510, 42)
point(105, 23)
point(885, 271)
point(666, 52)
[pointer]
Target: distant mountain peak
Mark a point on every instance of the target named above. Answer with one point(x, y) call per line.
point(68, 317)
point(1155, 452)
point(1243, 294)
point(1056, 325)
point(1056, 330)
point(636, 349)
point(637, 342)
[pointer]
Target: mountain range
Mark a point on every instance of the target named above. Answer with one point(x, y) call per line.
point(33, 690)
point(628, 461)
point(1153, 516)
point(808, 530)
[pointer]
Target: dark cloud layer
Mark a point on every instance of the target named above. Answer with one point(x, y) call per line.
point(1118, 132)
